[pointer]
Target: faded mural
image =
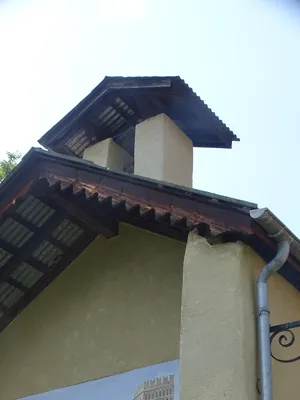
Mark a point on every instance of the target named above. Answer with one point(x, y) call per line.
point(156, 382)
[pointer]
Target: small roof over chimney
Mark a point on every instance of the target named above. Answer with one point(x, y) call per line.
point(118, 104)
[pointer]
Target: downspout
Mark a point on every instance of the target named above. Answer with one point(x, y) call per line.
point(263, 319)
point(277, 232)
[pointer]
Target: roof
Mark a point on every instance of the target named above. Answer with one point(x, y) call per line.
point(53, 206)
point(117, 104)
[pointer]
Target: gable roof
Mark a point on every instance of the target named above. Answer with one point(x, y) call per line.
point(117, 104)
point(53, 206)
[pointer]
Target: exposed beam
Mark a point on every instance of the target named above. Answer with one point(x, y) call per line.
point(4, 309)
point(85, 123)
point(42, 283)
point(53, 204)
point(57, 243)
point(25, 252)
point(9, 248)
point(130, 119)
point(141, 106)
point(101, 224)
point(34, 228)
point(18, 218)
point(13, 250)
point(16, 284)
point(37, 265)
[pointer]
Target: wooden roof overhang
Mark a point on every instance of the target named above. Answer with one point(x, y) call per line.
point(118, 104)
point(53, 206)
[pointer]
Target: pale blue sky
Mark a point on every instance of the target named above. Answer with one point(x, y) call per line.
point(241, 56)
point(117, 387)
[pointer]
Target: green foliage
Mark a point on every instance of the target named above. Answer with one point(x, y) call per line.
point(7, 165)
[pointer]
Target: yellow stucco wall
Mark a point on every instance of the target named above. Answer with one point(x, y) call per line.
point(284, 305)
point(218, 354)
point(116, 308)
point(173, 151)
point(108, 153)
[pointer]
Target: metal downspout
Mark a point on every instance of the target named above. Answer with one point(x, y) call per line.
point(263, 319)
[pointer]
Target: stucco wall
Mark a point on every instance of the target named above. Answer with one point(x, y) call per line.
point(173, 151)
point(217, 351)
point(218, 354)
point(116, 308)
point(108, 153)
point(284, 305)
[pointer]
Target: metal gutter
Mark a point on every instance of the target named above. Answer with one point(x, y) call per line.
point(286, 242)
point(276, 229)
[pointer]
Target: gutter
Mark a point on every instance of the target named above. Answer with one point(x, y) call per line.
point(287, 243)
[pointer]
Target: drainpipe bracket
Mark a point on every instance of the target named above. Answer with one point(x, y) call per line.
point(285, 337)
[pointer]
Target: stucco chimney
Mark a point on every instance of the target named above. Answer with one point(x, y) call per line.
point(124, 124)
point(109, 154)
point(162, 151)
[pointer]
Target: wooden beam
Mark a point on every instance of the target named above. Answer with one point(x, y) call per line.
point(16, 284)
point(28, 225)
point(13, 250)
point(34, 228)
point(52, 204)
point(42, 283)
point(9, 248)
point(25, 252)
point(103, 225)
point(37, 265)
point(131, 120)
point(142, 108)
point(4, 310)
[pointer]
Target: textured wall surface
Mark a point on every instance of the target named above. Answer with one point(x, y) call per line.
point(217, 355)
point(284, 306)
point(108, 154)
point(116, 308)
point(173, 151)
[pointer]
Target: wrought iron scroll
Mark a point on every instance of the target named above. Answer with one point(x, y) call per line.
point(285, 337)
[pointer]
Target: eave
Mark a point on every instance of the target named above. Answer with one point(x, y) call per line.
point(81, 201)
point(118, 104)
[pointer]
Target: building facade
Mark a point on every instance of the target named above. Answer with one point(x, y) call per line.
point(105, 271)
point(160, 388)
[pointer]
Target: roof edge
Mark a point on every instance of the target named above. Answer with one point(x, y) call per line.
point(92, 97)
point(276, 230)
point(141, 179)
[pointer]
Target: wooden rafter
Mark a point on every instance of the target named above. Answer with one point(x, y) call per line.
point(37, 265)
point(34, 228)
point(16, 284)
point(25, 252)
point(4, 310)
point(42, 283)
point(103, 225)
point(9, 248)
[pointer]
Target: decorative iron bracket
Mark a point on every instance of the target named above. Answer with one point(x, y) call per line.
point(286, 338)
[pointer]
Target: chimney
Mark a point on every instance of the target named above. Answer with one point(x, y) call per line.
point(142, 125)
point(161, 151)
point(110, 155)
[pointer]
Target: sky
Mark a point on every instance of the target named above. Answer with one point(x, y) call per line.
point(117, 387)
point(242, 57)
